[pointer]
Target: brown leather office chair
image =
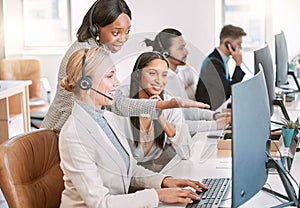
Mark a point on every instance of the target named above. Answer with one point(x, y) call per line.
point(30, 175)
point(28, 69)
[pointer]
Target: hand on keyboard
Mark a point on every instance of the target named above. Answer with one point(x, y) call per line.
point(175, 195)
point(172, 190)
point(217, 187)
point(170, 182)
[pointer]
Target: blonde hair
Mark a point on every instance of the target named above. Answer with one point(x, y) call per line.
point(94, 57)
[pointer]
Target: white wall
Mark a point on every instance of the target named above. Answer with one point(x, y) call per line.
point(194, 18)
point(286, 18)
point(198, 20)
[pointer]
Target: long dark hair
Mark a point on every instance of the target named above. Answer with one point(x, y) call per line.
point(104, 12)
point(135, 83)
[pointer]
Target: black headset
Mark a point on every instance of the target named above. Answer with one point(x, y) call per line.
point(137, 71)
point(85, 83)
point(165, 53)
point(93, 28)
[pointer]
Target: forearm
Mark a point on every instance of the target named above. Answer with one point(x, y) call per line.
point(167, 104)
point(199, 126)
point(182, 142)
point(128, 107)
point(167, 127)
point(198, 114)
point(238, 75)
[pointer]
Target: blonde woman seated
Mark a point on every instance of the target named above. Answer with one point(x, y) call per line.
point(148, 138)
point(96, 160)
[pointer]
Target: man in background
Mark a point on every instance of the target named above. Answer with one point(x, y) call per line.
point(214, 84)
point(170, 43)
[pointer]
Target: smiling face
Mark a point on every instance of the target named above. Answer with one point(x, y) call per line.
point(107, 85)
point(178, 51)
point(114, 35)
point(154, 76)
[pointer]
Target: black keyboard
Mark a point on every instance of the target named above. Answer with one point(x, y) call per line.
point(217, 187)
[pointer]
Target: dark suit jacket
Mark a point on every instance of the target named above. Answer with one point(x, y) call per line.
point(213, 86)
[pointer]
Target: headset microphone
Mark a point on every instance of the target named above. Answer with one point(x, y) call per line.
point(100, 93)
point(180, 61)
point(85, 83)
point(166, 53)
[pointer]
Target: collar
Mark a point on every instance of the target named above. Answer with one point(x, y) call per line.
point(91, 110)
point(223, 56)
point(171, 73)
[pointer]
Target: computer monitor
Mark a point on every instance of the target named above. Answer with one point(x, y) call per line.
point(250, 143)
point(250, 133)
point(263, 56)
point(281, 60)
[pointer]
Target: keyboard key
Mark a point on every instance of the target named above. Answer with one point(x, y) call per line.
point(213, 196)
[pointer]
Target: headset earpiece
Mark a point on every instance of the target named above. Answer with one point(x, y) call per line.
point(165, 54)
point(94, 30)
point(85, 83)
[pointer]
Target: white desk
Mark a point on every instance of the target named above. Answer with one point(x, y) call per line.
point(14, 108)
point(207, 161)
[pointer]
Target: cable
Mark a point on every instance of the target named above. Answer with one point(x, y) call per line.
point(288, 171)
point(273, 193)
point(248, 69)
point(278, 129)
point(282, 162)
point(278, 123)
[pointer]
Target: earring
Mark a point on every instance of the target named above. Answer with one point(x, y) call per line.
point(97, 38)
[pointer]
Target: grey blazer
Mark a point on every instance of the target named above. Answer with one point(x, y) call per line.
point(95, 174)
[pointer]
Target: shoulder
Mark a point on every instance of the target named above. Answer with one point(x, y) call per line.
point(122, 91)
point(187, 70)
point(71, 126)
point(213, 58)
point(79, 45)
point(215, 55)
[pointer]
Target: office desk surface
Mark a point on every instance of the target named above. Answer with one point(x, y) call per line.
point(207, 161)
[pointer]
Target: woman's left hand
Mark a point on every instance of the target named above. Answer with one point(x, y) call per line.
point(170, 182)
point(155, 97)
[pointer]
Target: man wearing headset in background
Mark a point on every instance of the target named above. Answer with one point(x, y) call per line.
point(170, 43)
point(181, 77)
point(214, 84)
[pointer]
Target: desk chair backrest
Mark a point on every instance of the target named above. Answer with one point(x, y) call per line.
point(39, 95)
point(22, 69)
point(30, 175)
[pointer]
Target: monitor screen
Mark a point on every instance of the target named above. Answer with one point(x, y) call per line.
point(250, 132)
point(281, 60)
point(263, 56)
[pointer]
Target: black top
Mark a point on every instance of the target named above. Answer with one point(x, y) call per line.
point(213, 87)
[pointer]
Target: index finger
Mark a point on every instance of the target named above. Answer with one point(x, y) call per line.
point(196, 185)
point(155, 97)
point(203, 105)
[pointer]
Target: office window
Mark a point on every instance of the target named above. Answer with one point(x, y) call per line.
point(46, 23)
point(250, 15)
